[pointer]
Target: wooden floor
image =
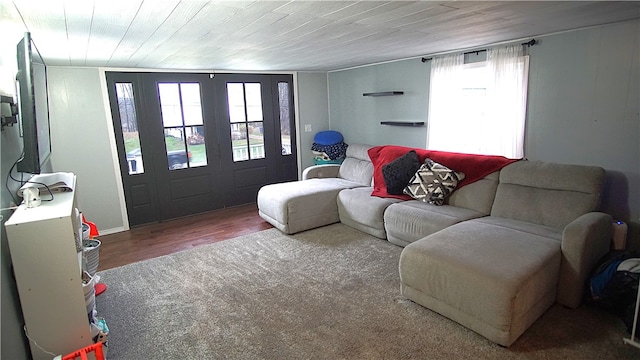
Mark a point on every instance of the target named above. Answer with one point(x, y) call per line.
point(149, 241)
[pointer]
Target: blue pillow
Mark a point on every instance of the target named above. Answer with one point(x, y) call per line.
point(328, 137)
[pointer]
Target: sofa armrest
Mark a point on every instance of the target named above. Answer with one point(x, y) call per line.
point(321, 171)
point(584, 242)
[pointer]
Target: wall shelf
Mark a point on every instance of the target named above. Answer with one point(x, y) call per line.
point(403, 123)
point(384, 93)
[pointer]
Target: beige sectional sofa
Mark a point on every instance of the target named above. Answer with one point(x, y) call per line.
point(494, 257)
point(302, 205)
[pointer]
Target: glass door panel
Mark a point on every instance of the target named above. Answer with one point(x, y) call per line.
point(129, 123)
point(285, 117)
point(235, 96)
point(184, 135)
point(191, 104)
point(246, 120)
point(253, 93)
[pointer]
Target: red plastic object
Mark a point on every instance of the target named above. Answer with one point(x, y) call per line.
point(93, 229)
point(100, 288)
point(82, 353)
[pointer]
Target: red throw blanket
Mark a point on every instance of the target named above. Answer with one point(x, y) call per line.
point(474, 167)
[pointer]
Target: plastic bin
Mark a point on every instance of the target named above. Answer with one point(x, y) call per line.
point(91, 249)
point(82, 353)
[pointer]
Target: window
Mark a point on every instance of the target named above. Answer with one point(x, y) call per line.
point(479, 108)
point(285, 117)
point(181, 110)
point(129, 123)
point(246, 120)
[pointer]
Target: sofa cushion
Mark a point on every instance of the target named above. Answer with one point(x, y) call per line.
point(527, 227)
point(399, 172)
point(357, 166)
point(433, 182)
point(494, 280)
point(301, 205)
point(358, 209)
point(548, 194)
point(476, 196)
point(408, 221)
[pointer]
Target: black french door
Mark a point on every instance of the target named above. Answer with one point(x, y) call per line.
point(260, 146)
point(191, 143)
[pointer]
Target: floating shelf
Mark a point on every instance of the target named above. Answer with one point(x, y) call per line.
point(6, 99)
point(384, 93)
point(402, 123)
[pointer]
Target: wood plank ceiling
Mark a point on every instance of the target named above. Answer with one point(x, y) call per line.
point(285, 35)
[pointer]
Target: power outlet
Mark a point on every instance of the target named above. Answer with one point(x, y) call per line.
point(307, 128)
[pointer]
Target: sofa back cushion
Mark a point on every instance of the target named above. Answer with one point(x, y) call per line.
point(546, 193)
point(357, 166)
point(478, 195)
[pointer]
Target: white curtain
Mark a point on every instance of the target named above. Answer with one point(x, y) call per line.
point(507, 98)
point(444, 93)
point(479, 108)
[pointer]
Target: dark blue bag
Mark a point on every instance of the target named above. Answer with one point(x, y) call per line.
point(615, 290)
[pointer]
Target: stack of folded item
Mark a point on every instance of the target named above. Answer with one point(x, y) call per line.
point(328, 147)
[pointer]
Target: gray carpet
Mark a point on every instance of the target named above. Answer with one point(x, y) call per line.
point(328, 293)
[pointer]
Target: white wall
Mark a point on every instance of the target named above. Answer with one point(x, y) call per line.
point(81, 143)
point(313, 106)
point(583, 107)
point(584, 104)
point(82, 140)
point(358, 117)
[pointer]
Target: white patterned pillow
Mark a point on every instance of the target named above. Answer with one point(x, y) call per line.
point(433, 182)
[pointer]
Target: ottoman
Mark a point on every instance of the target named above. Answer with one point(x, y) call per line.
point(301, 205)
point(493, 279)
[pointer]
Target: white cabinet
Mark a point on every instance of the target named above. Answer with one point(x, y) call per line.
point(48, 272)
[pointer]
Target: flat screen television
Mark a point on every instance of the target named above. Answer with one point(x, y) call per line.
point(31, 88)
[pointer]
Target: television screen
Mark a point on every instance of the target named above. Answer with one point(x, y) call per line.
point(31, 87)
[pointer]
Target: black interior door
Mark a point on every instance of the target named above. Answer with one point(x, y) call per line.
point(256, 131)
point(136, 167)
point(182, 123)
